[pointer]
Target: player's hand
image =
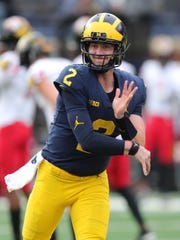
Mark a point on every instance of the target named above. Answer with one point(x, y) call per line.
point(144, 157)
point(121, 101)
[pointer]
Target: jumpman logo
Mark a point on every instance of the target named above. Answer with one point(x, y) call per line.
point(77, 123)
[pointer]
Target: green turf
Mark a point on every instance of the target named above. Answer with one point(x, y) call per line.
point(165, 223)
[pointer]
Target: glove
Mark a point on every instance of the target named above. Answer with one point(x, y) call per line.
point(23, 175)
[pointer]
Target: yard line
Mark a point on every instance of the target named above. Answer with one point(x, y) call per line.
point(151, 203)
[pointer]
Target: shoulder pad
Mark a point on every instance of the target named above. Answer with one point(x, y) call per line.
point(70, 78)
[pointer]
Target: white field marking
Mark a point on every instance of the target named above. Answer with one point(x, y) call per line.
point(160, 203)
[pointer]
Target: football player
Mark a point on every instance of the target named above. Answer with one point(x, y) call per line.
point(96, 103)
point(159, 111)
point(35, 52)
point(119, 168)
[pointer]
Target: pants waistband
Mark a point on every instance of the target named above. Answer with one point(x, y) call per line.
point(60, 172)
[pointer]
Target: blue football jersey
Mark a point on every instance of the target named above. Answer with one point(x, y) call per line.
point(82, 135)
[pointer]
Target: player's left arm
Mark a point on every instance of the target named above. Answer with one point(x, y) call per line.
point(139, 125)
point(136, 117)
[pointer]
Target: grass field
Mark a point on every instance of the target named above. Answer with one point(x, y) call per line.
point(162, 214)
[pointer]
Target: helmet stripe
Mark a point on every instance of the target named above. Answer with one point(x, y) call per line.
point(115, 24)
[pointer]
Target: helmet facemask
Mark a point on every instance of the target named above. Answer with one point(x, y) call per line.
point(115, 60)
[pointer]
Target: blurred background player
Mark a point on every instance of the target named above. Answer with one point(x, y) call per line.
point(160, 135)
point(16, 111)
point(119, 174)
point(174, 73)
point(37, 55)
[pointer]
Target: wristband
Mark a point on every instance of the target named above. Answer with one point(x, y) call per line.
point(126, 128)
point(134, 148)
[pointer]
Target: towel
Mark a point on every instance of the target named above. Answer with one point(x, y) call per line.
point(23, 175)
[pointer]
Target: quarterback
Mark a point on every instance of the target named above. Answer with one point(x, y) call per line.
point(96, 103)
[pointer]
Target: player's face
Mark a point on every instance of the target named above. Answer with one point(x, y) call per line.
point(100, 53)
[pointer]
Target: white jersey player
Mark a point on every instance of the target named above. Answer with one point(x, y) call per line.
point(34, 52)
point(41, 75)
point(16, 103)
point(157, 74)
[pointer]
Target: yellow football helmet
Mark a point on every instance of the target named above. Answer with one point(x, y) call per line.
point(105, 28)
point(32, 46)
point(13, 28)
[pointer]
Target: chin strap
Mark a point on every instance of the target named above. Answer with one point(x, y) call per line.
point(23, 175)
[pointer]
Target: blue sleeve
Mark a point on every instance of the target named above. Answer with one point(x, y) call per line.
point(81, 125)
point(73, 89)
